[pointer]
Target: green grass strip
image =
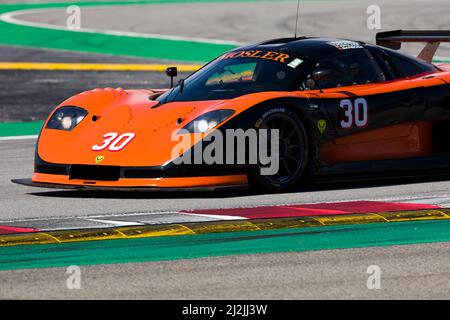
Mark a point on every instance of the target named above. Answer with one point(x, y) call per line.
point(223, 244)
point(20, 128)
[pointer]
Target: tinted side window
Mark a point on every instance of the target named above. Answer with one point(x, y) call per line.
point(344, 69)
point(406, 67)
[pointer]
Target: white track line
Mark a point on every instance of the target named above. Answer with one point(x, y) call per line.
point(117, 223)
point(213, 216)
point(11, 17)
point(18, 138)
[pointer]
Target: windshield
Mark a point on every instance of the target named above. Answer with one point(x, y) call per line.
point(239, 73)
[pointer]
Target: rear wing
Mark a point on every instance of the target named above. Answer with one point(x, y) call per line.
point(432, 38)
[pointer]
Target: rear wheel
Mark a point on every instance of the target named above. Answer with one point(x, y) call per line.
point(292, 153)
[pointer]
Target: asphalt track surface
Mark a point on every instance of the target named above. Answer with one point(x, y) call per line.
point(414, 271)
point(408, 272)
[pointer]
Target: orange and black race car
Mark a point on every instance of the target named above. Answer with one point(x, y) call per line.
point(342, 109)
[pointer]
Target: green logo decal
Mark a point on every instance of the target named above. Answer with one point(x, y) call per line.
point(322, 125)
point(99, 159)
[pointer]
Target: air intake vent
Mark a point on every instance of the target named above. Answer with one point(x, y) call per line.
point(103, 173)
point(143, 173)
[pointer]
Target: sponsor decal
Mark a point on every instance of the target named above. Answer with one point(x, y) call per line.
point(257, 54)
point(99, 159)
point(295, 63)
point(322, 125)
point(345, 45)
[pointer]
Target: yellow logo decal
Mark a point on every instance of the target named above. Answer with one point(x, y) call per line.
point(99, 159)
point(258, 54)
point(322, 125)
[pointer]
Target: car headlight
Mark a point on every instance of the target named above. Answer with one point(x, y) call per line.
point(208, 121)
point(66, 118)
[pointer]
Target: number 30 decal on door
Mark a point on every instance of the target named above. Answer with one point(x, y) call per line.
point(354, 114)
point(114, 142)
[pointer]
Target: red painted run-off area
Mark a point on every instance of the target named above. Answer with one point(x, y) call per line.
point(318, 209)
point(11, 230)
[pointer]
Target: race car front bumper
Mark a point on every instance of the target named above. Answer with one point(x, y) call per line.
point(169, 176)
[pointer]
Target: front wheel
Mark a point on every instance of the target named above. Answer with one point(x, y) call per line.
point(292, 155)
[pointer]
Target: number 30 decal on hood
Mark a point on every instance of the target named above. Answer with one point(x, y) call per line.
point(114, 142)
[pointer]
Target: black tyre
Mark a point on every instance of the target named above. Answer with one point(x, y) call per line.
point(292, 155)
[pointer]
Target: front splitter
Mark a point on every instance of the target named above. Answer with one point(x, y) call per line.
point(31, 183)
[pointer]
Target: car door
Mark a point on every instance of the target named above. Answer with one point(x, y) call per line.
point(374, 118)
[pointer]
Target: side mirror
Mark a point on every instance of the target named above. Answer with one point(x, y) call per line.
point(171, 72)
